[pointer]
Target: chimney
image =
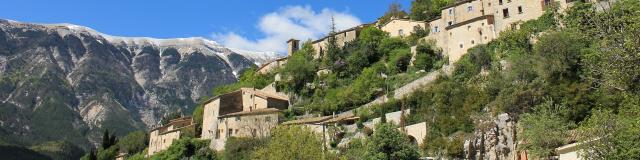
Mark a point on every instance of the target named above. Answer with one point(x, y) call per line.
point(293, 46)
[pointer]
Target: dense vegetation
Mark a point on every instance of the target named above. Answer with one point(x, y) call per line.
point(560, 74)
point(565, 77)
point(356, 73)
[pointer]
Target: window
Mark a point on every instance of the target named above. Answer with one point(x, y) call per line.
point(400, 33)
point(500, 2)
point(469, 8)
point(461, 46)
point(450, 11)
point(505, 13)
point(489, 4)
point(520, 10)
point(229, 132)
point(480, 32)
point(450, 23)
point(218, 134)
point(469, 28)
point(267, 119)
point(238, 118)
point(473, 42)
point(482, 23)
point(254, 133)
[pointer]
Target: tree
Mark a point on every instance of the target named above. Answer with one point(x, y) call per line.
point(394, 11)
point(612, 63)
point(355, 149)
point(187, 148)
point(300, 70)
point(399, 60)
point(108, 140)
point(607, 135)
point(560, 53)
point(241, 148)
point(134, 142)
point(332, 58)
point(387, 143)
point(291, 142)
point(424, 10)
point(544, 130)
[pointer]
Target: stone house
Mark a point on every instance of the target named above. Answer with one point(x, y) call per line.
point(402, 27)
point(247, 112)
point(161, 138)
point(468, 23)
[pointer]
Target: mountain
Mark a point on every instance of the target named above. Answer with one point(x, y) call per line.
point(68, 82)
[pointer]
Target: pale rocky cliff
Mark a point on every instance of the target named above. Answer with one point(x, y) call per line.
point(68, 82)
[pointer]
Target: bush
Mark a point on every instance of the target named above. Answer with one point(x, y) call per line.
point(399, 60)
point(291, 142)
point(389, 143)
point(241, 148)
point(544, 130)
point(187, 148)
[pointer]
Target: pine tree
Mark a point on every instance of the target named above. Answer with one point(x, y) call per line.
point(332, 57)
point(106, 140)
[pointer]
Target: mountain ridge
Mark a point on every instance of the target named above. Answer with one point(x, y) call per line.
point(96, 81)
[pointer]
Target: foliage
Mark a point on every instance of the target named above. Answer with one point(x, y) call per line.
point(300, 70)
point(11, 152)
point(394, 11)
point(249, 78)
point(241, 148)
point(425, 10)
point(389, 44)
point(399, 60)
point(291, 142)
point(187, 148)
point(389, 143)
point(607, 135)
point(427, 58)
point(59, 150)
point(614, 58)
point(108, 140)
point(544, 129)
point(355, 149)
point(134, 142)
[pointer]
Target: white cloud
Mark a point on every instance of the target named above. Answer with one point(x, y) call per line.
point(299, 22)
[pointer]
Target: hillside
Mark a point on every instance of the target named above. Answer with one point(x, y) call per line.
point(567, 77)
point(68, 82)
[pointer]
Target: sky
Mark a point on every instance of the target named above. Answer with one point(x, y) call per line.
point(256, 25)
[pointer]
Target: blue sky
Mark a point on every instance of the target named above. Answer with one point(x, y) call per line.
point(244, 24)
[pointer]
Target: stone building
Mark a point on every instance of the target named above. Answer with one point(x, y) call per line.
point(162, 137)
point(342, 38)
point(402, 27)
point(247, 112)
point(468, 23)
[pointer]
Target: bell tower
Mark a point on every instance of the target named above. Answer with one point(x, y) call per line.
point(293, 46)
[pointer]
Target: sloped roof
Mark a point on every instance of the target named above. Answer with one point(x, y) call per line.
point(312, 120)
point(253, 112)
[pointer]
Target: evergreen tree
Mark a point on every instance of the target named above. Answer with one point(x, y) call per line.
point(331, 59)
point(105, 139)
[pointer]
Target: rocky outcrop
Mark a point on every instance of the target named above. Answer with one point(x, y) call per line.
point(493, 139)
point(67, 82)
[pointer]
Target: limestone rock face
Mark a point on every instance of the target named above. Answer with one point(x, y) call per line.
point(494, 140)
point(67, 82)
